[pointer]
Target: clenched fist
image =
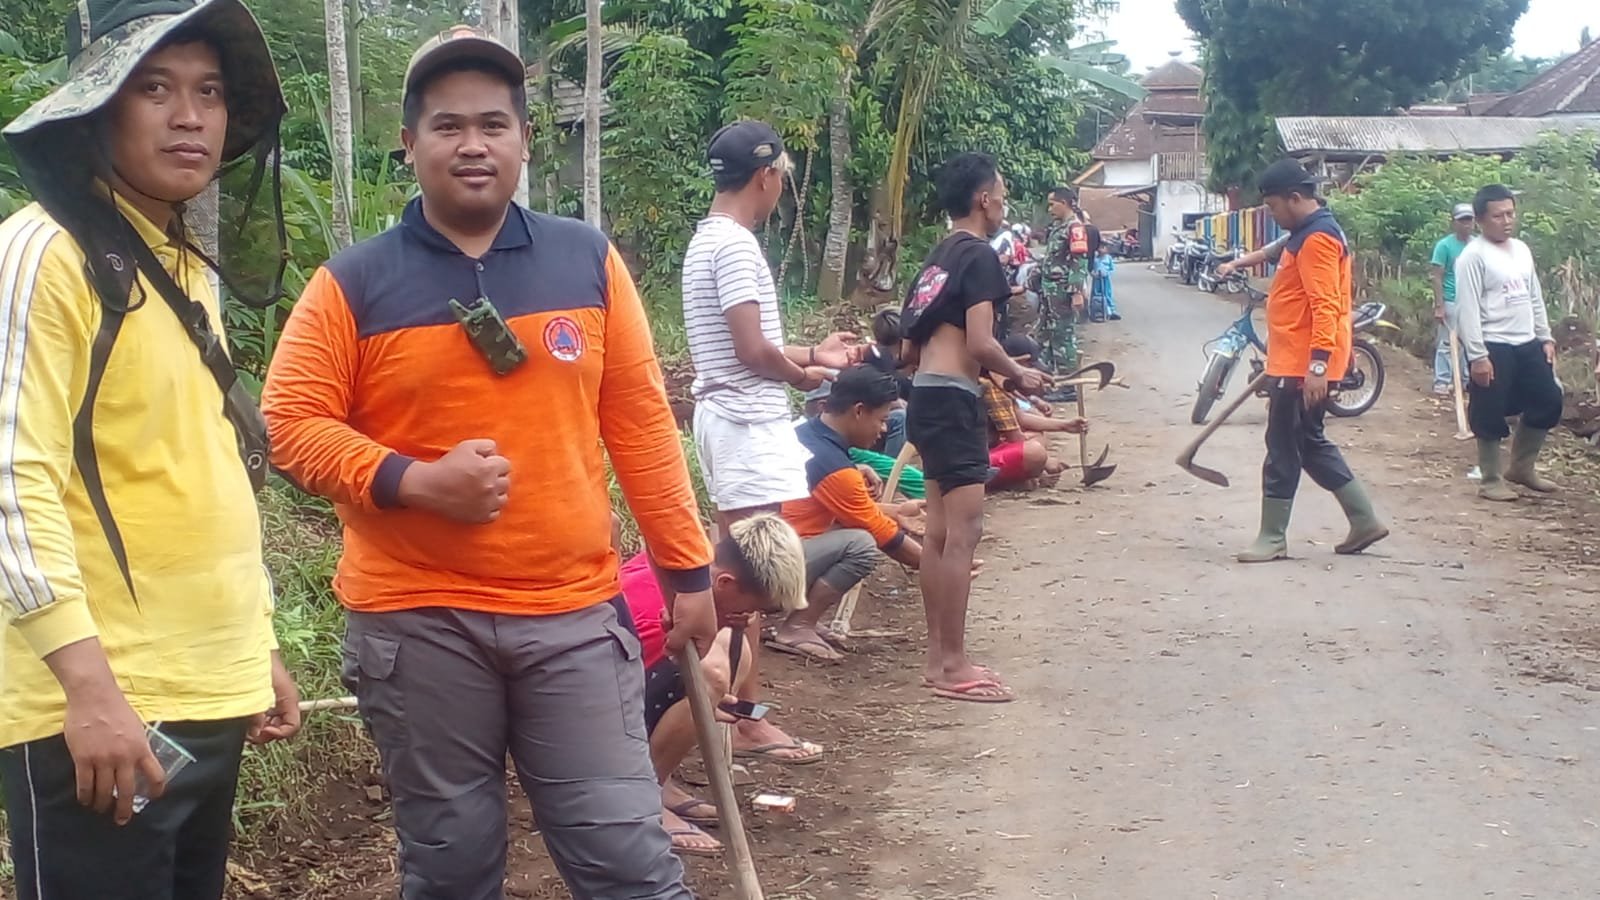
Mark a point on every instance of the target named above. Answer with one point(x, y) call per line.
point(469, 484)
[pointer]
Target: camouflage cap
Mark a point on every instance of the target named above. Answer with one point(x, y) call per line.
point(107, 39)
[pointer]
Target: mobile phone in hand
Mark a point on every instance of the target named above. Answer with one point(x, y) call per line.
point(745, 709)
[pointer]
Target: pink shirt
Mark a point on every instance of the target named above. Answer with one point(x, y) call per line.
point(647, 604)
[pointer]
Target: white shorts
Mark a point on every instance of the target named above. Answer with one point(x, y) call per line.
point(747, 466)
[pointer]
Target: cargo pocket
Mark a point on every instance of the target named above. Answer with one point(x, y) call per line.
point(378, 692)
point(630, 679)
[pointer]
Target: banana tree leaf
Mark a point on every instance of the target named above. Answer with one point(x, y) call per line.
point(1098, 77)
point(1003, 16)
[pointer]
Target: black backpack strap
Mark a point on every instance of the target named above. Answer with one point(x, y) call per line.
point(238, 406)
point(83, 453)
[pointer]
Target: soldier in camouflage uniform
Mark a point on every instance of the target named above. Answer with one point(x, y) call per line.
point(1063, 277)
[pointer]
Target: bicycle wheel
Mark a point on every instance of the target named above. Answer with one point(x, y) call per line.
point(1212, 385)
point(1367, 363)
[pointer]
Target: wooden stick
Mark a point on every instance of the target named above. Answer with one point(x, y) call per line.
point(320, 705)
point(746, 885)
point(1462, 431)
point(847, 606)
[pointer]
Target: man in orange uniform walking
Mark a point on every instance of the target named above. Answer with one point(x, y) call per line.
point(1308, 345)
point(465, 459)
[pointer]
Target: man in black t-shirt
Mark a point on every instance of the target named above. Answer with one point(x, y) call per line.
point(948, 321)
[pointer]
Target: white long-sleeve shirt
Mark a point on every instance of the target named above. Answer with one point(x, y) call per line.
point(1498, 297)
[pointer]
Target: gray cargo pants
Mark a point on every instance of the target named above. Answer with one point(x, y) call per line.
point(447, 693)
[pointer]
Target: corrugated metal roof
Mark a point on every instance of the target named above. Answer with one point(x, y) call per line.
point(1572, 86)
point(1387, 135)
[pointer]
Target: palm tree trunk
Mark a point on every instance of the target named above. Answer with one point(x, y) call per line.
point(592, 89)
point(203, 219)
point(500, 20)
point(339, 118)
point(842, 205)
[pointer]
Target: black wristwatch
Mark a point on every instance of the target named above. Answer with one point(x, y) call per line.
point(1318, 368)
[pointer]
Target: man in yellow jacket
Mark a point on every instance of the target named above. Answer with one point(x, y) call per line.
point(130, 548)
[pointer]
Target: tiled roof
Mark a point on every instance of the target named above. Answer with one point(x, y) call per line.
point(1571, 87)
point(1136, 137)
point(1173, 75)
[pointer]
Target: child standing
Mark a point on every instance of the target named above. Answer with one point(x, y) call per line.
point(1103, 304)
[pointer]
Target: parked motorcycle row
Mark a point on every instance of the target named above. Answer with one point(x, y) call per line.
point(1194, 260)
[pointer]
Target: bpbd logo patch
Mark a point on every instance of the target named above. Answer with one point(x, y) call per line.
point(563, 339)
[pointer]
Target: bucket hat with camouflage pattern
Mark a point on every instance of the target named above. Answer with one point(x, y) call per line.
point(108, 39)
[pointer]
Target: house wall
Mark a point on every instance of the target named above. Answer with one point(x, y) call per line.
point(1126, 173)
point(1174, 200)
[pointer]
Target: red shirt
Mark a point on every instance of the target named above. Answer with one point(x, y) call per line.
point(647, 604)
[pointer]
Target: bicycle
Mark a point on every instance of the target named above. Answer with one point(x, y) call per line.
point(1351, 396)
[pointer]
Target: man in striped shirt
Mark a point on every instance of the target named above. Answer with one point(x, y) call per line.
point(749, 454)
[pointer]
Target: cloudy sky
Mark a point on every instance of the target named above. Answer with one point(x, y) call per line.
point(1147, 30)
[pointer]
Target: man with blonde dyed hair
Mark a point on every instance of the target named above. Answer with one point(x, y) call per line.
point(760, 567)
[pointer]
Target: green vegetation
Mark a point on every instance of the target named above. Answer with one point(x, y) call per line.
point(1357, 57)
point(1400, 211)
point(842, 79)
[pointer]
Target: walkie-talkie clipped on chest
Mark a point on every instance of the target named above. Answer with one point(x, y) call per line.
point(490, 334)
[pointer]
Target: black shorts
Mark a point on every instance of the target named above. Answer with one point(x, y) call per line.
point(663, 682)
point(948, 427)
point(663, 687)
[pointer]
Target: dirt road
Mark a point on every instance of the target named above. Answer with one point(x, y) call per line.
point(1371, 727)
point(1414, 723)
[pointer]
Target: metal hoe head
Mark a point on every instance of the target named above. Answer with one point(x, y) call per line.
point(1098, 471)
point(1103, 371)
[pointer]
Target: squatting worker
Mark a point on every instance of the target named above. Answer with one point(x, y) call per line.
point(1505, 331)
point(1308, 346)
point(467, 466)
point(948, 319)
point(131, 546)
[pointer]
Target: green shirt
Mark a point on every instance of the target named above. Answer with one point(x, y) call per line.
point(1445, 254)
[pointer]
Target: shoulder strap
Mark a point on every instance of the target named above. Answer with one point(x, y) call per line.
point(238, 406)
point(83, 453)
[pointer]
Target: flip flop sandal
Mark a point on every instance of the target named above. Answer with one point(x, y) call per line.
point(968, 691)
point(798, 649)
point(682, 812)
point(692, 831)
point(835, 640)
point(765, 753)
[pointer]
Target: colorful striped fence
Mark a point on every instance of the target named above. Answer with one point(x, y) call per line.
point(1247, 229)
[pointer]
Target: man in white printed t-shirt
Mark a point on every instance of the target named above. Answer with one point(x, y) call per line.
point(1505, 331)
point(751, 458)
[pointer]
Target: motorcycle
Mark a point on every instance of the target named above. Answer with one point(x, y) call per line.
point(1352, 395)
point(1207, 279)
point(1175, 252)
point(1194, 257)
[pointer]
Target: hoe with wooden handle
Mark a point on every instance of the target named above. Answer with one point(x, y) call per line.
point(1186, 458)
point(746, 885)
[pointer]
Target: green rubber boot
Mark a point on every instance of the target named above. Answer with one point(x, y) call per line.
point(1366, 528)
point(1525, 447)
point(1273, 541)
point(1492, 487)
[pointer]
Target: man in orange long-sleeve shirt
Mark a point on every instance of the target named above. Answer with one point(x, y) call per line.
point(465, 459)
point(1308, 345)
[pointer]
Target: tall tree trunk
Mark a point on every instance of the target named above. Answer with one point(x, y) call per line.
point(500, 20)
point(355, 18)
point(592, 93)
point(203, 219)
point(837, 247)
point(339, 119)
point(547, 90)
